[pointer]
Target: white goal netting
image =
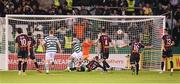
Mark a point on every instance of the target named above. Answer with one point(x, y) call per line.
point(122, 29)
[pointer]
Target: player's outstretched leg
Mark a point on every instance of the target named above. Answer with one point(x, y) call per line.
point(47, 67)
point(71, 65)
point(162, 64)
point(24, 66)
point(105, 64)
point(132, 69)
point(137, 68)
point(19, 67)
point(171, 63)
point(37, 67)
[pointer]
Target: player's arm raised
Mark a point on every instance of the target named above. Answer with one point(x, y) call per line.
point(16, 47)
point(162, 47)
point(29, 43)
point(59, 45)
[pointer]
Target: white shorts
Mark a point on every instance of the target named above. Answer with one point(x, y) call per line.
point(50, 56)
point(77, 58)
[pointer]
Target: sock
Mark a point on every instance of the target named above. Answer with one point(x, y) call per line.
point(162, 66)
point(19, 65)
point(105, 64)
point(137, 69)
point(24, 66)
point(36, 65)
point(47, 67)
point(171, 63)
point(71, 64)
point(104, 69)
point(132, 68)
point(52, 63)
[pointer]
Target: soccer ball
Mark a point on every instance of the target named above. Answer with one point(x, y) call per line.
point(119, 31)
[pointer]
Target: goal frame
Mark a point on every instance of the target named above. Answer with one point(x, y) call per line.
point(64, 16)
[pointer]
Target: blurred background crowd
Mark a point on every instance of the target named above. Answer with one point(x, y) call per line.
point(168, 8)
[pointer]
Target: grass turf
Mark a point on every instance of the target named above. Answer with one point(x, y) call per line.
point(89, 77)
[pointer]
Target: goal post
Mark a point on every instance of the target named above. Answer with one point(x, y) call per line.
point(3, 45)
point(122, 30)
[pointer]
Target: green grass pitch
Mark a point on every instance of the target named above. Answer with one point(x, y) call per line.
point(123, 77)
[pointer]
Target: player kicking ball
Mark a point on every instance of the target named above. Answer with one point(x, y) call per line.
point(32, 42)
point(168, 43)
point(51, 43)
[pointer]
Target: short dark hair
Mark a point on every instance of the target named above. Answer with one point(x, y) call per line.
point(74, 35)
point(19, 30)
point(137, 39)
point(103, 30)
point(29, 33)
point(38, 35)
point(51, 32)
point(168, 31)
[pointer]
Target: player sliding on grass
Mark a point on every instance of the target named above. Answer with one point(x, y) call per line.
point(94, 64)
point(32, 42)
point(51, 43)
point(76, 58)
point(22, 48)
point(168, 42)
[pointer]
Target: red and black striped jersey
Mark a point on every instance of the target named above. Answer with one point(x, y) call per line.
point(105, 40)
point(22, 41)
point(31, 41)
point(167, 41)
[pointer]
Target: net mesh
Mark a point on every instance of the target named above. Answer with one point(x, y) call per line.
point(122, 30)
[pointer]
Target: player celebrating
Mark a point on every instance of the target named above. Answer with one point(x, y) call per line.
point(32, 42)
point(22, 48)
point(135, 55)
point(51, 43)
point(104, 41)
point(76, 57)
point(168, 42)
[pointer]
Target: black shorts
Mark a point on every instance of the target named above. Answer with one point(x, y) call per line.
point(167, 54)
point(22, 54)
point(32, 55)
point(104, 55)
point(134, 58)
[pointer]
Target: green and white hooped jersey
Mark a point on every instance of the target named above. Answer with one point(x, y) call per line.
point(51, 43)
point(76, 45)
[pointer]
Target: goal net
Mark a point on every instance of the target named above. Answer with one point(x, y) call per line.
point(121, 29)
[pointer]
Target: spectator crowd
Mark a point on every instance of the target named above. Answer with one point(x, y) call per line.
point(168, 8)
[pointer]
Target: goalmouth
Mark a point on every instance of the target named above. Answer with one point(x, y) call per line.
point(122, 30)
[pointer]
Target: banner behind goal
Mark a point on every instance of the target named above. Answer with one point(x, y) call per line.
point(122, 29)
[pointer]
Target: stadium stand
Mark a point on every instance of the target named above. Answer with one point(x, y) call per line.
point(169, 8)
